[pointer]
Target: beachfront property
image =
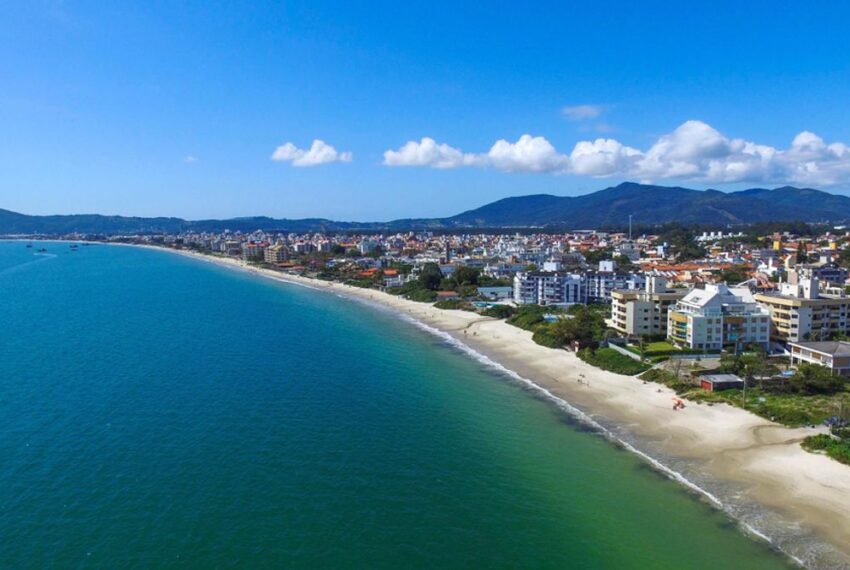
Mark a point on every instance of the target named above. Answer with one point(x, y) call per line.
point(834, 355)
point(276, 253)
point(806, 309)
point(643, 312)
point(718, 317)
point(548, 288)
point(254, 250)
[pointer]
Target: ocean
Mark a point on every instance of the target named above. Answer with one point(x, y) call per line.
point(159, 411)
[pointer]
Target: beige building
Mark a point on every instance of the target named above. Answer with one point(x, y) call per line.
point(807, 310)
point(276, 253)
point(643, 312)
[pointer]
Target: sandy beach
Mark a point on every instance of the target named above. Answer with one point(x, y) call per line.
point(752, 468)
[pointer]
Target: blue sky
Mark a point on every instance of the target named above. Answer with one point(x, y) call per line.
point(165, 108)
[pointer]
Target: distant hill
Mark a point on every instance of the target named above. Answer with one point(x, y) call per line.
point(650, 204)
point(647, 204)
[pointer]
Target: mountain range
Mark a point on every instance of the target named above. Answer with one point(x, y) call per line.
point(610, 207)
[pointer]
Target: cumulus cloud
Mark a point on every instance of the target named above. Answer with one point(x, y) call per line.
point(527, 154)
point(602, 157)
point(582, 112)
point(694, 151)
point(319, 152)
point(428, 152)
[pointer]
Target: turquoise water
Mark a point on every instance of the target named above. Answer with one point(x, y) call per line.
point(160, 411)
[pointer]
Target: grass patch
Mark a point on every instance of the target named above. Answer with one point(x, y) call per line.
point(792, 409)
point(836, 448)
point(611, 360)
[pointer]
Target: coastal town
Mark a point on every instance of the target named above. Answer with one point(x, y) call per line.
point(756, 318)
point(753, 318)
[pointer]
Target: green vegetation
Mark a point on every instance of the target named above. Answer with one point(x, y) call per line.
point(681, 240)
point(430, 277)
point(451, 304)
point(669, 379)
point(585, 324)
point(789, 409)
point(544, 336)
point(528, 317)
point(735, 274)
point(582, 323)
point(837, 448)
point(611, 360)
point(422, 295)
point(499, 311)
point(805, 399)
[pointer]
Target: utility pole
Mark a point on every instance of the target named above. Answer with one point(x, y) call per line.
point(630, 227)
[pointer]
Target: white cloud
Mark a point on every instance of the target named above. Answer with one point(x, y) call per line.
point(582, 112)
point(694, 151)
point(428, 152)
point(189, 159)
point(528, 154)
point(319, 152)
point(602, 157)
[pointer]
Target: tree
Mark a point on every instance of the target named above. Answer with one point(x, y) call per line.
point(466, 276)
point(584, 326)
point(623, 262)
point(816, 379)
point(430, 276)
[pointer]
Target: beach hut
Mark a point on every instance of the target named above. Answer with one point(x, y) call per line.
point(719, 382)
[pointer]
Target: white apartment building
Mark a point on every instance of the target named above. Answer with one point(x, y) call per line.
point(717, 317)
point(548, 288)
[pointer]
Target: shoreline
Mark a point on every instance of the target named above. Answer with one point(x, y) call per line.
point(749, 467)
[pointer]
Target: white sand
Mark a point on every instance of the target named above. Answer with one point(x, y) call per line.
point(731, 444)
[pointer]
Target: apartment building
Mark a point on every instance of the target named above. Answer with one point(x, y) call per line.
point(548, 288)
point(601, 283)
point(643, 312)
point(807, 309)
point(718, 317)
point(253, 250)
point(276, 253)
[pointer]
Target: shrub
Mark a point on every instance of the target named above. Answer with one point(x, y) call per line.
point(611, 360)
point(499, 311)
point(545, 337)
point(838, 449)
point(422, 295)
point(528, 317)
